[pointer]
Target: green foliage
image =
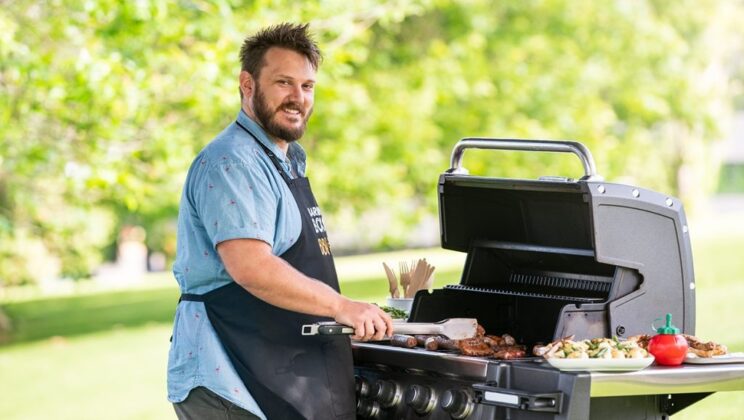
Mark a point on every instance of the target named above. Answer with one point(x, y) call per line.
point(732, 178)
point(103, 104)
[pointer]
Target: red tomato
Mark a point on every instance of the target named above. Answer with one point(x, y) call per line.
point(668, 349)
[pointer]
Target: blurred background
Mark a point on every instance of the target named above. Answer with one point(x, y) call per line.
point(103, 105)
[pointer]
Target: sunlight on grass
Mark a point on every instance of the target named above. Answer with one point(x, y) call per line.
point(102, 353)
point(115, 374)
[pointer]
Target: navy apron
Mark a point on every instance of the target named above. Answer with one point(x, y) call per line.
point(290, 376)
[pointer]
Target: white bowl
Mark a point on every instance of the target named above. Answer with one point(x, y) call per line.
point(404, 304)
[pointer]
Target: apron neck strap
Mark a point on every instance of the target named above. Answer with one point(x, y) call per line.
point(275, 160)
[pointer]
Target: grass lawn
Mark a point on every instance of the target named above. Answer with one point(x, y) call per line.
point(103, 355)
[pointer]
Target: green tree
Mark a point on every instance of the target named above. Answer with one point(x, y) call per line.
point(104, 103)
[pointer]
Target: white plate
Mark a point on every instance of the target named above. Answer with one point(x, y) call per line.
point(724, 358)
point(601, 365)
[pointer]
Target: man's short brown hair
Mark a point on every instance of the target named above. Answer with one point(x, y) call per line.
point(285, 35)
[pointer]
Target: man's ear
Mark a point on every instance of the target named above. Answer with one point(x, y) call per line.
point(246, 84)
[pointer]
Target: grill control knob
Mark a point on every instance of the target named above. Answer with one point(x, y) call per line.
point(387, 393)
point(421, 398)
point(367, 409)
point(362, 387)
point(457, 403)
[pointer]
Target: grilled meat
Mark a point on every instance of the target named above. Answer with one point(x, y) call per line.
point(508, 352)
point(421, 339)
point(502, 340)
point(641, 339)
point(402, 340)
point(437, 342)
point(496, 346)
point(695, 345)
point(704, 349)
point(480, 331)
point(474, 347)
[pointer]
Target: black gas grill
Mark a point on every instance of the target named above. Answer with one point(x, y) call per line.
point(546, 259)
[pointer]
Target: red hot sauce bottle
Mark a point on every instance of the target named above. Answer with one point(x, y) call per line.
point(668, 346)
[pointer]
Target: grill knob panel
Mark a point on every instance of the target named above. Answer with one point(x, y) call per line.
point(421, 398)
point(457, 403)
point(387, 393)
point(367, 409)
point(363, 389)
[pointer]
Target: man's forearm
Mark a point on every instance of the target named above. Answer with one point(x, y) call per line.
point(268, 277)
point(273, 280)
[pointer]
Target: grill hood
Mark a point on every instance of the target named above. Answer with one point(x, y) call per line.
point(598, 258)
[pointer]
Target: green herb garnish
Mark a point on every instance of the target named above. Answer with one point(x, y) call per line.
point(395, 312)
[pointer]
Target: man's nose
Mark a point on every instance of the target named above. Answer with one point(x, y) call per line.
point(296, 93)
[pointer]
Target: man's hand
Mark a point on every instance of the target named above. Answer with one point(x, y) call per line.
point(369, 321)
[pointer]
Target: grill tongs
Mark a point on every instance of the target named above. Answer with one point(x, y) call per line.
point(453, 328)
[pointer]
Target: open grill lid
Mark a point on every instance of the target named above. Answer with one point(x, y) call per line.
point(531, 213)
point(550, 213)
point(615, 252)
point(526, 233)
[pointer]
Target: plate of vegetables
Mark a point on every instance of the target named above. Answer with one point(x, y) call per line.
point(598, 354)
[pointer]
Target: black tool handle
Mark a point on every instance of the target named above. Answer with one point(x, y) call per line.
point(334, 329)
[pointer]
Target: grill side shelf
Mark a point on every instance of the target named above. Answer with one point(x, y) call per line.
point(523, 294)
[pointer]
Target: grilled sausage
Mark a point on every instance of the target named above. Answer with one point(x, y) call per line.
point(437, 342)
point(432, 343)
point(402, 340)
point(421, 339)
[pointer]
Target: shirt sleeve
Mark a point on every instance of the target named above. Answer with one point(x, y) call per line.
point(235, 200)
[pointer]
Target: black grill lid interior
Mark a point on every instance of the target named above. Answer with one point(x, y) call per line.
point(539, 213)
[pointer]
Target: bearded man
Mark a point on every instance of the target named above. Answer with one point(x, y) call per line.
point(253, 261)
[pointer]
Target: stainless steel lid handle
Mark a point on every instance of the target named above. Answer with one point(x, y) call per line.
point(563, 146)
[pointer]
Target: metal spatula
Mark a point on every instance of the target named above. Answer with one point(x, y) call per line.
point(453, 328)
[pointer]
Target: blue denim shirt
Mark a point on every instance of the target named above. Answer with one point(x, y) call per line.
point(232, 190)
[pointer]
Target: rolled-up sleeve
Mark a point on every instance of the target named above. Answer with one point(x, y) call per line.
point(234, 200)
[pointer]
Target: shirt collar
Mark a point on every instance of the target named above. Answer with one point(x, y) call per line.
point(260, 135)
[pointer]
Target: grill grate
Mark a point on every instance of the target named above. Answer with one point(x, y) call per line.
point(560, 282)
point(524, 294)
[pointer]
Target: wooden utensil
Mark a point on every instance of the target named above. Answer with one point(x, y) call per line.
point(392, 281)
point(405, 277)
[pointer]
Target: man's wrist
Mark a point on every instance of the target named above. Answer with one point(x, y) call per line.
point(337, 305)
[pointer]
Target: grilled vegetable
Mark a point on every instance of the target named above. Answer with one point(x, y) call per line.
point(395, 313)
point(597, 348)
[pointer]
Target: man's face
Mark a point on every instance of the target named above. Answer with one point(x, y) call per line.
point(282, 100)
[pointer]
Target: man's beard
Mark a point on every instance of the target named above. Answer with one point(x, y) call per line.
point(266, 117)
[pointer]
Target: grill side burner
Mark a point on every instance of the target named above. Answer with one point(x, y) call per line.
point(546, 259)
